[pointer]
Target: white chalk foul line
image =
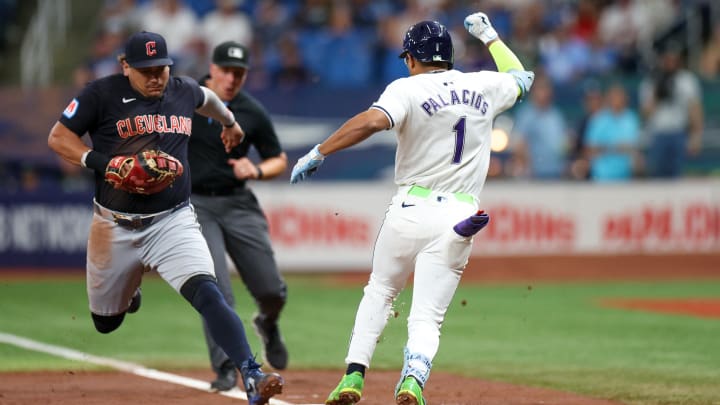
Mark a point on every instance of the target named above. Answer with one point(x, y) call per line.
point(120, 365)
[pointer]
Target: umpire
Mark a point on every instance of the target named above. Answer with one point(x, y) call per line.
point(228, 212)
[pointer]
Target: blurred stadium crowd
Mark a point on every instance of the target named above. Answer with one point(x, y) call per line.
point(599, 64)
point(353, 43)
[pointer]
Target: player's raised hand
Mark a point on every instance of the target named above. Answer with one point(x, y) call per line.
point(307, 165)
point(232, 136)
point(478, 25)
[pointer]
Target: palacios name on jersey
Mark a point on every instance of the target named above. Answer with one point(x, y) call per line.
point(153, 123)
point(468, 97)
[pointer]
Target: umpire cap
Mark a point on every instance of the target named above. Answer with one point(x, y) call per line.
point(231, 54)
point(146, 49)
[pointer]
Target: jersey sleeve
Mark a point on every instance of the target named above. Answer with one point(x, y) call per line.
point(81, 114)
point(393, 103)
point(197, 93)
point(503, 89)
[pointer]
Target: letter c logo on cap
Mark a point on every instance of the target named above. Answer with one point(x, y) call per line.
point(150, 48)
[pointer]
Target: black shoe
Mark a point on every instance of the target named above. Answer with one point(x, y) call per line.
point(226, 378)
point(135, 302)
point(274, 350)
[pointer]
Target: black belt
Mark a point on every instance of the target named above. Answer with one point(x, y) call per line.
point(135, 221)
point(218, 191)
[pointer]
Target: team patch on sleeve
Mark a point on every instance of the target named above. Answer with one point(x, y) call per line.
point(71, 109)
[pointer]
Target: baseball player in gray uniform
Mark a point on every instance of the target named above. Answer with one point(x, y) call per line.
point(140, 124)
point(443, 119)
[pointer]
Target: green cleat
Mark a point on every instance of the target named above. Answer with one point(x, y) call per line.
point(348, 392)
point(409, 392)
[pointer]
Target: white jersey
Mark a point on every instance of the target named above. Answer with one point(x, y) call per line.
point(444, 122)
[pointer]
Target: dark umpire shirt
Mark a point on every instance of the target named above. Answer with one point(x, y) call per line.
point(121, 121)
point(210, 172)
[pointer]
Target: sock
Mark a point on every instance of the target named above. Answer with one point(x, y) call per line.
point(353, 367)
point(225, 326)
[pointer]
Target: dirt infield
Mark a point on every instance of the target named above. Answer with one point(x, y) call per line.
point(699, 307)
point(311, 386)
point(302, 387)
point(592, 268)
point(580, 268)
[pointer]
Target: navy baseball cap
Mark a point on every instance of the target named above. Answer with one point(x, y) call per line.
point(231, 54)
point(147, 49)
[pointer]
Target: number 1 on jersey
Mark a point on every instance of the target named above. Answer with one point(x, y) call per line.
point(459, 129)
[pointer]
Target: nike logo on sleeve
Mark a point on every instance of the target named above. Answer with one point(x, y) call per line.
point(405, 205)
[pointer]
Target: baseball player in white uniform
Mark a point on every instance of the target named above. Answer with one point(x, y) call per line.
point(443, 119)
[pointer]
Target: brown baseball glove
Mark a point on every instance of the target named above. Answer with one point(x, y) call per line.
point(147, 172)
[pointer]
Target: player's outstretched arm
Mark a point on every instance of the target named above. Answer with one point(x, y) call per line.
point(214, 108)
point(352, 132)
point(355, 130)
point(479, 26)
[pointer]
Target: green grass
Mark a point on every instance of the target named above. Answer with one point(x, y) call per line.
point(550, 335)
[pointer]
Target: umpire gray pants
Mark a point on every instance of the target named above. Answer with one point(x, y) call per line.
point(236, 224)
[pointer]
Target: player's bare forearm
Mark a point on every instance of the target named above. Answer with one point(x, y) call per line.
point(66, 144)
point(355, 130)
